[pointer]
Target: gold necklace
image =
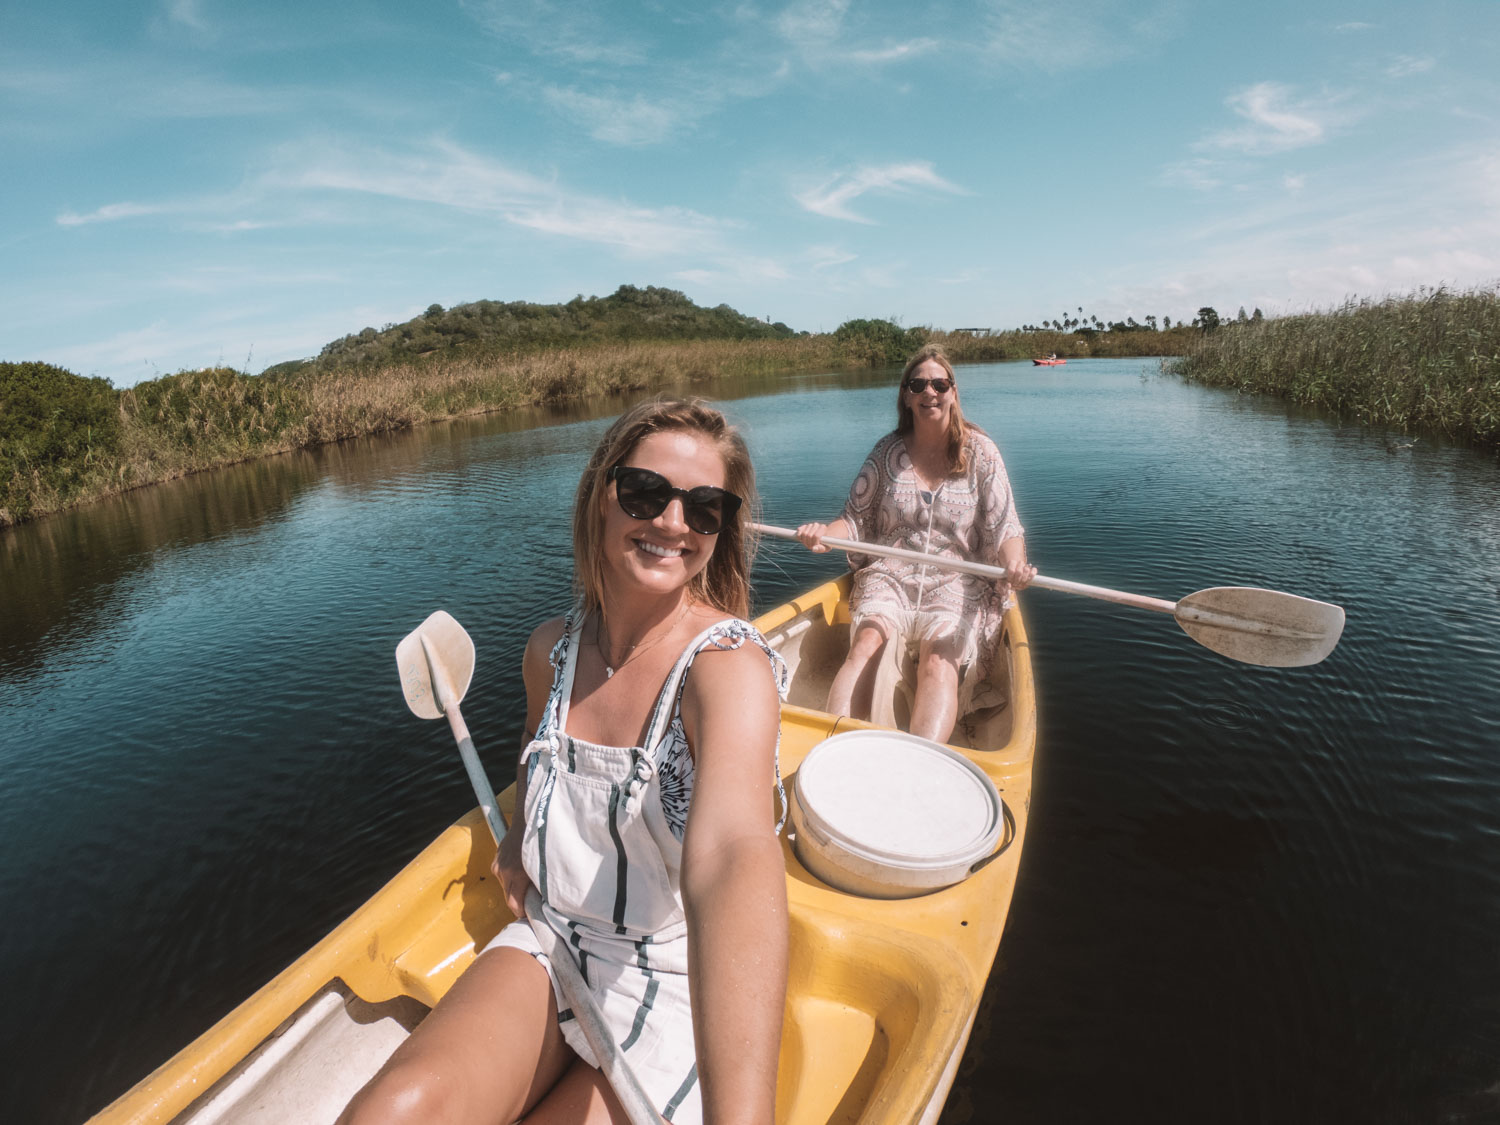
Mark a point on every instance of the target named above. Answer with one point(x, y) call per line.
point(602, 631)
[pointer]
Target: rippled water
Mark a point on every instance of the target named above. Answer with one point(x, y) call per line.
point(1247, 894)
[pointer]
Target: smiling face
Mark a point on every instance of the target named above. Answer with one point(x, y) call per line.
point(929, 408)
point(663, 554)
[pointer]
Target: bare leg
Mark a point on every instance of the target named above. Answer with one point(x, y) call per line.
point(582, 1097)
point(488, 1052)
point(852, 686)
point(935, 709)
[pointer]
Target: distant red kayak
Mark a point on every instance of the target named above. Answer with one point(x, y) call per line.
point(1049, 362)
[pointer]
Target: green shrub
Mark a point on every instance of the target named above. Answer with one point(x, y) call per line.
point(500, 330)
point(878, 342)
point(55, 428)
point(217, 412)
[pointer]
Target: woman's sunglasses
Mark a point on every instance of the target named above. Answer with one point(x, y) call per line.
point(644, 495)
point(942, 385)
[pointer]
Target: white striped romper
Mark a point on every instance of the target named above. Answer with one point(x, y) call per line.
point(603, 846)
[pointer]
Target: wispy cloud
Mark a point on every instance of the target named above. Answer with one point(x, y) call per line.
point(622, 121)
point(1087, 33)
point(1274, 121)
point(812, 23)
point(577, 31)
point(1368, 229)
point(828, 257)
point(1197, 172)
point(111, 212)
point(833, 197)
point(188, 13)
point(1293, 183)
point(1404, 66)
point(1353, 26)
point(896, 52)
point(451, 176)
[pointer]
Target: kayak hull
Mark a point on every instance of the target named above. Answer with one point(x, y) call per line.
point(881, 993)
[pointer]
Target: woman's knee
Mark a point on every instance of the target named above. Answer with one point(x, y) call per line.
point(868, 640)
point(938, 659)
point(407, 1093)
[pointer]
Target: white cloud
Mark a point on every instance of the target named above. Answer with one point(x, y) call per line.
point(188, 13)
point(1026, 35)
point(455, 177)
point(576, 31)
point(633, 121)
point(1435, 219)
point(811, 23)
point(895, 52)
point(1198, 173)
point(1353, 26)
point(1275, 121)
point(111, 212)
point(1404, 66)
point(1294, 183)
point(828, 257)
point(832, 198)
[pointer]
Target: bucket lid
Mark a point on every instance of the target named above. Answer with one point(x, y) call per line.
point(899, 800)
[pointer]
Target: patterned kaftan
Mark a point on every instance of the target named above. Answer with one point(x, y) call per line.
point(965, 517)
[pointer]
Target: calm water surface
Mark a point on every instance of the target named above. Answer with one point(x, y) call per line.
point(1247, 894)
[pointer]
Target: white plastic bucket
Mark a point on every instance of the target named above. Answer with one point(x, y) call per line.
point(883, 814)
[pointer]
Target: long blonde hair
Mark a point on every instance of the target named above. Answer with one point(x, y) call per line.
point(958, 427)
point(725, 582)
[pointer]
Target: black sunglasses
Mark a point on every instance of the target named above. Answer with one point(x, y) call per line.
point(644, 495)
point(942, 385)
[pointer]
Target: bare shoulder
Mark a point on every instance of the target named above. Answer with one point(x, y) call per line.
point(539, 647)
point(731, 679)
point(547, 634)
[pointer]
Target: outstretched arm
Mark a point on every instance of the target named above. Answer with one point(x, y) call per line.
point(734, 884)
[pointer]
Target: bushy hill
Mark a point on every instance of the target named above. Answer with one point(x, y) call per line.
point(484, 328)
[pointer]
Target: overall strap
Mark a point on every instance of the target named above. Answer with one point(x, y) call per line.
point(573, 631)
point(666, 703)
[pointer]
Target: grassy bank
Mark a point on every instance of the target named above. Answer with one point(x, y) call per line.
point(71, 440)
point(1426, 361)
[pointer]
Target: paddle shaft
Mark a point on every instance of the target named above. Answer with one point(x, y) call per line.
point(622, 1079)
point(983, 570)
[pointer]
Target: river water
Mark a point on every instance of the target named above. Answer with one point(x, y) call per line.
point(1247, 894)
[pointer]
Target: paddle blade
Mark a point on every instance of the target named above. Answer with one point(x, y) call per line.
point(1265, 627)
point(452, 654)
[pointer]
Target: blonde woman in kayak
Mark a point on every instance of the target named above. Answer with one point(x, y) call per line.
point(935, 484)
point(645, 819)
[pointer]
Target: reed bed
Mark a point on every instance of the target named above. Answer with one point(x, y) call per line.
point(1428, 361)
point(196, 420)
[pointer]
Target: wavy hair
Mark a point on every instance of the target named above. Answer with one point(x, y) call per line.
point(725, 582)
point(958, 426)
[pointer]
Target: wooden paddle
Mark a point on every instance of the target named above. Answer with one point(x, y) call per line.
point(436, 662)
point(1265, 627)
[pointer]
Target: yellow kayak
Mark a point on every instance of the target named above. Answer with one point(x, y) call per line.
point(881, 996)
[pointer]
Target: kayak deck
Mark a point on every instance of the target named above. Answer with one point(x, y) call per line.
point(881, 994)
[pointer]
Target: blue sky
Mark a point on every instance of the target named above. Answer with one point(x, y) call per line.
point(190, 182)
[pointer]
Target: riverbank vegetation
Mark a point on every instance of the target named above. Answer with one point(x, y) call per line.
point(1429, 360)
point(66, 439)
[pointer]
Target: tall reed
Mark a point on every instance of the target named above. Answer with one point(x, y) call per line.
point(1429, 360)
